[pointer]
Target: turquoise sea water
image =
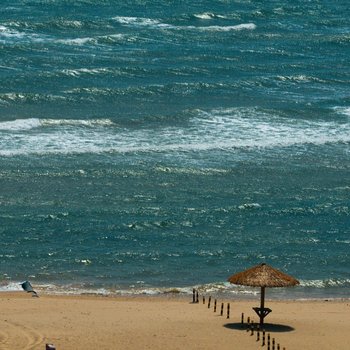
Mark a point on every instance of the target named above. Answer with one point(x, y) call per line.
point(154, 145)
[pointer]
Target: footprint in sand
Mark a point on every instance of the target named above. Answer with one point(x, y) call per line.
point(17, 336)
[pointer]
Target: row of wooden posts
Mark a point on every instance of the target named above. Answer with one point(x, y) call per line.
point(250, 325)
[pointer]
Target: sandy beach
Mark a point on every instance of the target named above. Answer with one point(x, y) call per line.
point(168, 322)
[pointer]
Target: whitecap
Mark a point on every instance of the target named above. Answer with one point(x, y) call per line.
point(30, 123)
point(244, 26)
point(140, 21)
point(208, 15)
point(85, 71)
point(7, 34)
point(325, 283)
point(343, 110)
point(77, 41)
point(76, 122)
point(71, 23)
point(343, 241)
point(83, 261)
point(205, 15)
point(20, 124)
point(93, 40)
point(220, 129)
point(12, 96)
point(249, 206)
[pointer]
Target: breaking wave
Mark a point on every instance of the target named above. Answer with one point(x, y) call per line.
point(326, 283)
point(222, 289)
point(244, 26)
point(31, 123)
point(208, 15)
point(10, 34)
point(222, 129)
point(103, 39)
point(155, 23)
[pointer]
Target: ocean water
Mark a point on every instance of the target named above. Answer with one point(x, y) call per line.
point(154, 146)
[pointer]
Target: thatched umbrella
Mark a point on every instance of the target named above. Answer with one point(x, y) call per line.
point(263, 276)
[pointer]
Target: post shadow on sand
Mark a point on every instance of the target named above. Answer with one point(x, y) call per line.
point(268, 327)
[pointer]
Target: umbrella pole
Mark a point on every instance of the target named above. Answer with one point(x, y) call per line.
point(262, 305)
point(262, 300)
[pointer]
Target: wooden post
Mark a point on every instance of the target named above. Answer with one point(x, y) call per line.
point(248, 323)
point(228, 310)
point(257, 333)
point(263, 338)
point(203, 299)
point(215, 305)
point(193, 296)
point(197, 297)
point(50, 347)
point(242, 320)
point(222, 309)
point(251, 328)
point(278, 347)
point(268, 342)
point(209, 301)
point(273, 343)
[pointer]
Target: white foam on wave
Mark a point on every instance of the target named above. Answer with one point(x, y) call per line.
point(77, 41)
point(224, 289)
point(92, 40)
point(208, 16)
point(325, 283)
point(20, 124)
point(343, 110)
point(78, 122)
point(133, 290)
point(244, 26)
point(139, 21)
point(71, 23)
point(86, 71)
point(55, 289)
point(31, 123)
point(10, 287)
point(205, 15)
point(10, 97)
point(155, 23)
point(74, 289)
point(7, 33)
point(221, 129)
point(254, 128)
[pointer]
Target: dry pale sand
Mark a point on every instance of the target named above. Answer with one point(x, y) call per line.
point(94, 322)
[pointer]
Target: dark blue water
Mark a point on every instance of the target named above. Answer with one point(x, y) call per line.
point(147, 146)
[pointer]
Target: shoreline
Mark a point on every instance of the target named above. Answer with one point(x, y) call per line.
point(216, 290)
point(166, 321)
point(175, 296)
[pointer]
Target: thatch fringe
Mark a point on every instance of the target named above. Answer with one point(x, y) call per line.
point(263, 275)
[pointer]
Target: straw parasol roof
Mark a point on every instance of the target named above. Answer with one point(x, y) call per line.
point(263, 275)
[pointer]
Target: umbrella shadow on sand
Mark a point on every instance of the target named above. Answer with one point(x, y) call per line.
point(268, 327)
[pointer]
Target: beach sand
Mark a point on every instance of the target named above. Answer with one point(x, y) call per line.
point(167, 322)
